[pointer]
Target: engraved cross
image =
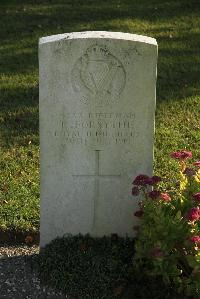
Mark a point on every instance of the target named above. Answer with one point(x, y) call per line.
point(97, 176)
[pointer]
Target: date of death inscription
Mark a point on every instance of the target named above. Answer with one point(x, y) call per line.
point(96, 128)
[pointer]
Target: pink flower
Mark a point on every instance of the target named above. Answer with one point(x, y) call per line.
point(157, 252)
point(141, 180)
point(154, 194)
point(139, 213)
point(197, 163)
point(189, 171)
point(165, 196)
point(135, 191)
point(193, 214)
point(181, 155)
point(154, 180)
point(197, 196)
point(195, 239)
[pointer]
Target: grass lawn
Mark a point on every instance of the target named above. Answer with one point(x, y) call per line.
point(176, 26)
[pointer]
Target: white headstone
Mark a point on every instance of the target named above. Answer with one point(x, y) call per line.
point(97, 104)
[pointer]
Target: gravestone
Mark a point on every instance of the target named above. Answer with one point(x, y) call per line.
point(97, 104)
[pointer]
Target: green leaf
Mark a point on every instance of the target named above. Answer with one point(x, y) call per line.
point(193, 263)
point(178, 215)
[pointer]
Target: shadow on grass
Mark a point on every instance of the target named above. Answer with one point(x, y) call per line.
point(19, 62)
point(20, 119)
point(11, 237)
point(172, 23)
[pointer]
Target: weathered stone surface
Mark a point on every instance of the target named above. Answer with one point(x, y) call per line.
point(97, 102)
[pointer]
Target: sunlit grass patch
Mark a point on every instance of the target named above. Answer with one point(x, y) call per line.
point(175, 25)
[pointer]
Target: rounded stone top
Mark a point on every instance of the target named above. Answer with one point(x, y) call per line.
point(98, 35)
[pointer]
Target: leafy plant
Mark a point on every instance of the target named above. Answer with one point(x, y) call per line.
point(168, 240)
point(86, 267)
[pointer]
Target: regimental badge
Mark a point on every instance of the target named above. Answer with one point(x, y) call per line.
point(98, 76)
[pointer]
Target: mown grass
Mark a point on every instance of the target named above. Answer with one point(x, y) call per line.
point(175, 25)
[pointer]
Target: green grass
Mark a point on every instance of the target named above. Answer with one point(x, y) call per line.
point(175, 25)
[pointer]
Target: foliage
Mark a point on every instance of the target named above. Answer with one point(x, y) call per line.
point(175, 25)
point(96, 268)
point(168, 241)
point(84, 267)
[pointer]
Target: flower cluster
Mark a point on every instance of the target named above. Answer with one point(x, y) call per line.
point(181, 155)
point(197, 197)
point(169, 224)
point(193, 214)
point(144, 180)
point(141, 183)
point(195, 239)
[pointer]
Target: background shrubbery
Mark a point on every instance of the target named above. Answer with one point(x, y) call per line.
point(101, 268)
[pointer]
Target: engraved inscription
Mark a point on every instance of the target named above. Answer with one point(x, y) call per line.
point(97, 128)
point(98, 76)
